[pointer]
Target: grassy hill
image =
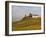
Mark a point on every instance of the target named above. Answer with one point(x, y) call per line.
point(27, 24)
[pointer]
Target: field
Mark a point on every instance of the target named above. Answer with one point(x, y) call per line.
point(27, 24)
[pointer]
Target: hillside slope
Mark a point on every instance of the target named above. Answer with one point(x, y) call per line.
point(27, 24)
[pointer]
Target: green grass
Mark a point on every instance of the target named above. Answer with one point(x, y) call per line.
point(27, 24)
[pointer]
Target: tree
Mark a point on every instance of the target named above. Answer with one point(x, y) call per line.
point(25, 16)
point(30, 15)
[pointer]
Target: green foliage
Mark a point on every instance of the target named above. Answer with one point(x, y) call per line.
point(30, 15)
point(27, 17)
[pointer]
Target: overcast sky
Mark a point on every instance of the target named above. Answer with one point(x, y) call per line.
point(19, 11)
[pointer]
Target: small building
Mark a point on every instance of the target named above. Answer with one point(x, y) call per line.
point(35, 16)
